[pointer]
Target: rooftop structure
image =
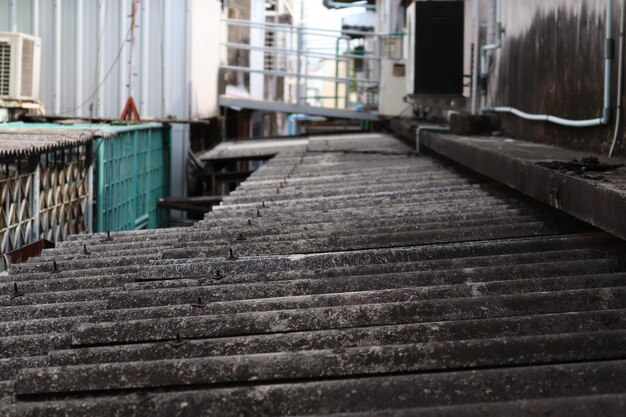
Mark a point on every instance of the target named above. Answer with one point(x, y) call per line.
point(352, 277)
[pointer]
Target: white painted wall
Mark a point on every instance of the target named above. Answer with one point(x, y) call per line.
point(84, 46)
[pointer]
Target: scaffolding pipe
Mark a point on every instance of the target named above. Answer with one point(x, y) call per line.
point(608, 73)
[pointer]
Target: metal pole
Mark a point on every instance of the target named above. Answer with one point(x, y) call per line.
point(36, 205)
point(78, 95)
point(298, 63)
point(57, 56)
point(347, 97)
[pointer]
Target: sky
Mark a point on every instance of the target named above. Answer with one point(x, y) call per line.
point(318, 16)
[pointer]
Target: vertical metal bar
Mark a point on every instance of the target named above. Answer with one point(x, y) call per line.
point(57, 56)
point(100, 203)
point(35, 17)
point(13, 15)
point(145, 55)
point(476, 57)
point(298, 64)
point(347, 98)
point(121, 68)
point(78, 97)
point(100, 58)
point(89, 203)
point(35, 207)
point(164, 53)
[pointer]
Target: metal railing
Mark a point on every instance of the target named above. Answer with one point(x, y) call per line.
point(312, 75)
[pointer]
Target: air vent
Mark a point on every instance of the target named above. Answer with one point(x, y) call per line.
point(5, 68)
point(20, 59)
point(28, 56)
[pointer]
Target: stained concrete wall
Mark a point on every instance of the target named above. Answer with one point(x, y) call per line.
point(552, 62)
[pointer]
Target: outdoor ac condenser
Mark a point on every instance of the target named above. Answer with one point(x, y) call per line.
point(20, 64)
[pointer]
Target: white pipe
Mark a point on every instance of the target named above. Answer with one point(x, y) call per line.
point(620, 79)
point(427, 128)
point(546, 117)
point(338, 5)
point(608, 73)
point(484, 65)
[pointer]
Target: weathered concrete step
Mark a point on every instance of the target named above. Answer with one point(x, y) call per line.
point(261, 286)
point(32, 345)
point(401, 176)
point(135, 235)
point(67, 284)
point(87, 263)
point(307, 231)
point(545, 324)
point(387, 175)
point(374, 393)
point(359, 361)
point(424, 199)
point(348, 189)
point(93, 251)
point(369, 211)
point(330, 199)
point(200, 268)
point(610, 405)
point(52, 297)
point(7, 392)
point(363, 242)
point(34, 276)
point(43, 311)
point(258, 225)
point(214, 236)
point(40, 326)
point(176, 306)
point(349, 316)
point(10, 367)
point(399, 270)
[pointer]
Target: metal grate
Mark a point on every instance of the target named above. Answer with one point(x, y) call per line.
point(133, 174)
point(5, 67)
point(28, 55)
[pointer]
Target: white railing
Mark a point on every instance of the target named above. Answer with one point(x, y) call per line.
point(303, 58)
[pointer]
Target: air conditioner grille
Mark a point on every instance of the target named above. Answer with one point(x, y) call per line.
point(28, 56)
point(5, 67)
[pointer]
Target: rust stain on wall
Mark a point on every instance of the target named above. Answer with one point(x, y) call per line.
point(552, 62)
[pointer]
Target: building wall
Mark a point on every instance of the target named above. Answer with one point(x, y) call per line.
point(552, 62)
point(85, 59)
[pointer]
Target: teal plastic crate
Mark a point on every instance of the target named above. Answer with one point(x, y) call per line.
point(132, 174)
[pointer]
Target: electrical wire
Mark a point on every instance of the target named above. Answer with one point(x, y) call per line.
point(106, 76)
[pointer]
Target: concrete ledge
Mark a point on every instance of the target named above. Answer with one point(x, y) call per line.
point(597, 197)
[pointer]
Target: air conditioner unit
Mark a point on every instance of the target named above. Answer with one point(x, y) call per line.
point(20, 64)
point(434, 48)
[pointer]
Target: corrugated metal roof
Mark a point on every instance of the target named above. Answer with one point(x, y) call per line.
point(352, 278)
point(255, 148)
point(19, 139)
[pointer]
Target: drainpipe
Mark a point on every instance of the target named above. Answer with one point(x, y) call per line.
point(620, 79)
point(484, 53)
point(608, 73)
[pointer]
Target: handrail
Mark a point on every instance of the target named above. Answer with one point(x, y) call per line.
point(290, 28)
point(285, 51)
point(293, 74)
